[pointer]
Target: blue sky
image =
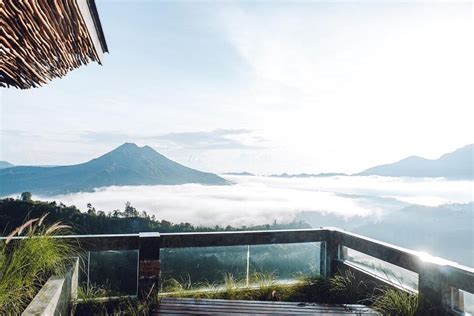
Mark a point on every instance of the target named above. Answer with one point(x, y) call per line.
point(264, 86)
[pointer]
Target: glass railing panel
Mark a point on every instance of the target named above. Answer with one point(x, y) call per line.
point(246, 265)
point(286, 262)
point(109, 273)
point(382, 269)
point(462, 301)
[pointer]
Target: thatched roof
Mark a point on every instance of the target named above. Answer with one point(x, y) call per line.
point(44, 39)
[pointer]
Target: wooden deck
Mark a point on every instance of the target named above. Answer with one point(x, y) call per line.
point(183, 306)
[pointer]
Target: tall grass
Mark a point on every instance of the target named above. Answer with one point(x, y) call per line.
point(345, 286)
point(396, 302)
point(98, 300)
point(26, 264)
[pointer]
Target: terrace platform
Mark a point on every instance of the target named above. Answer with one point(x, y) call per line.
point(446, 287)
point(180, 306)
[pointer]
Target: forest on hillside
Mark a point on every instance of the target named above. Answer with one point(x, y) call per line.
point(14, 212)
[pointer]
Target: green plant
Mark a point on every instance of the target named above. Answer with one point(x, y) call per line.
point(310, 289)
point(347, 288)
point(231, 286)
point(133, 307)
point(93, 292)
point(343, 288)
point(264, 280)
point(396, 302)
point(89, 301)
point(173, 285)
point(25, 264)
point(100, 300)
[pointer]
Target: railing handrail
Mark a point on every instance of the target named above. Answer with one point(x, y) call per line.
point(222, 238)
point(437, 277)
point(456, 274)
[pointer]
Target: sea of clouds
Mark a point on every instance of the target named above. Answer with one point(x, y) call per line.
point(258, 200)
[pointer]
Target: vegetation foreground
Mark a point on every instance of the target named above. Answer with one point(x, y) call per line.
point(26, 264)
point(343, 288)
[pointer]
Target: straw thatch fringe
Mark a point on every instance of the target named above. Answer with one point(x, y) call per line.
point(42, 40)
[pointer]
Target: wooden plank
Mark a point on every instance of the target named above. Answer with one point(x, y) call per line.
point(239, 310)
point(251, 302)
point(260, 306)
point(257, 307)
point(276, 304)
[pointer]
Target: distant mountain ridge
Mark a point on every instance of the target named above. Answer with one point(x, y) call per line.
point(244, 173)
point(128, 164)
point(455, 165)
point(308, 175)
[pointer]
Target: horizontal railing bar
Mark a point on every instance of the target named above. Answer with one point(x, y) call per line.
point(98, 242)
point(458, 277)
point(399, 256)
point(242, 238)
point(454, 274)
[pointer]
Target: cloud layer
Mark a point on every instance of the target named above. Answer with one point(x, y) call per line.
point(258, 200)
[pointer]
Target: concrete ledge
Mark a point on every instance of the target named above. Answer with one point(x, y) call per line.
point(55, 296)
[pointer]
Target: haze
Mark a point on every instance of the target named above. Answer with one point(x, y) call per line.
point(259, 87)
point(260, 200)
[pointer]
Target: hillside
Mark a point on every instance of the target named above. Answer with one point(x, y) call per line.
point(125, 165)
point(456, 165)
point(14, 212)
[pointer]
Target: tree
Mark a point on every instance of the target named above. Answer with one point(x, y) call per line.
point(130, 211)
point(90, 209)
point(26, 196)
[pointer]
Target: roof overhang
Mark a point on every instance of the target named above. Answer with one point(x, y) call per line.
point(44, 40)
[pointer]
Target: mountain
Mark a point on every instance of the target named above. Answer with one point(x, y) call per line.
point(456, 165)
point(5, 164)
point(307, 175)
point(125, 165)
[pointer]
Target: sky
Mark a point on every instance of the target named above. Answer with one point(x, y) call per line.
point(265, 87)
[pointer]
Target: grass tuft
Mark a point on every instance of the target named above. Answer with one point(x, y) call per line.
point(396, 302)
point(26, 264)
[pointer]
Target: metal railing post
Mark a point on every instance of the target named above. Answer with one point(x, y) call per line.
point(149, 270)
point(329, 254)
point(248, 264)
point(88, 271)
point(433, 290)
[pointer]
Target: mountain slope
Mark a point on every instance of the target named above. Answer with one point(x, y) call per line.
point(456, 165)
point(5, 164)
point(125, 165)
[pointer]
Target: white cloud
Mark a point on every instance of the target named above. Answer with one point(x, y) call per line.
point(258, 200)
